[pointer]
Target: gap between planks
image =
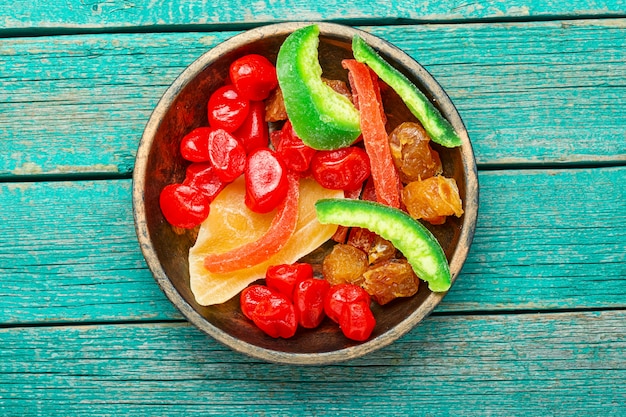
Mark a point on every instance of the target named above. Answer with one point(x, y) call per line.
point(243, 26)
point(466, 314)
point(513, 166)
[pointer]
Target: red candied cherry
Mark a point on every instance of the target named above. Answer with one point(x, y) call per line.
point(266, 181)
point(308, 300)
point(296, 155)
point(341, 169)
point(271, 312)
point(275, 138)
point(254, 76)
point(250, 298)
point(357, 321)
point(194, 145)
point(285, 277)
point(254, 132)
point(226, 154)
point(227, 109)
point(340, 295)
point(203, 177)
point(184, 206)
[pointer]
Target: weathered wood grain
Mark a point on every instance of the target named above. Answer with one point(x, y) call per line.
point(73, 15)
point(84, 330)
point(546, 239)
point(68, 252)
point(80, 104)
point(531, 93)
point(551, 239)
point(565, 364)
point(547, 92)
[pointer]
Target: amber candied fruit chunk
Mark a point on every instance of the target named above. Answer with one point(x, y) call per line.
point(381, 250)
point(275, 107)
point(412, 154)
point(361, 238)
point(339, 87)
point(344, 264)
point(389, 280)
point(432, 199)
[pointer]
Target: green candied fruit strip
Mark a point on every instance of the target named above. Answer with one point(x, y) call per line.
point(321, 117)
point(416, 242)
point(439, 129)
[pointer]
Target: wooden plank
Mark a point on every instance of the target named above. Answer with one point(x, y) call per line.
point(78, 104)
point(76, 15)
point(563, 364)
point(545, 240)
point(68, 252)
point(540, 93)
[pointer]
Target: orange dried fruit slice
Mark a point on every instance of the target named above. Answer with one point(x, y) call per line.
point(231, 224)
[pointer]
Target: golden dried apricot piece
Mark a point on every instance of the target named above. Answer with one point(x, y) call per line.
point(432, 199)
point(344, 264)
point(381, 250)
point(389, 280)
point(275, 107)
point(412, 154)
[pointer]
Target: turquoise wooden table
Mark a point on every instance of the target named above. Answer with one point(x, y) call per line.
point(535, 324)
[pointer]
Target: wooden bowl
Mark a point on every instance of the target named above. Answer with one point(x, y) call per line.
point(158, 163)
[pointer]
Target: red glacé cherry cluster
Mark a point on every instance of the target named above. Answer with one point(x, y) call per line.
point(237, 141)
point(292, 297)
point(220, 152)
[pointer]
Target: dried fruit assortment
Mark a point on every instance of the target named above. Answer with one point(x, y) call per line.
point(289, 160)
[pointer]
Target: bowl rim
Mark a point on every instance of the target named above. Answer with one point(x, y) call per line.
point(139, 178)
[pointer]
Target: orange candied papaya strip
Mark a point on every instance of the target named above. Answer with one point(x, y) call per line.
point(281, 229)
point(384, 174)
